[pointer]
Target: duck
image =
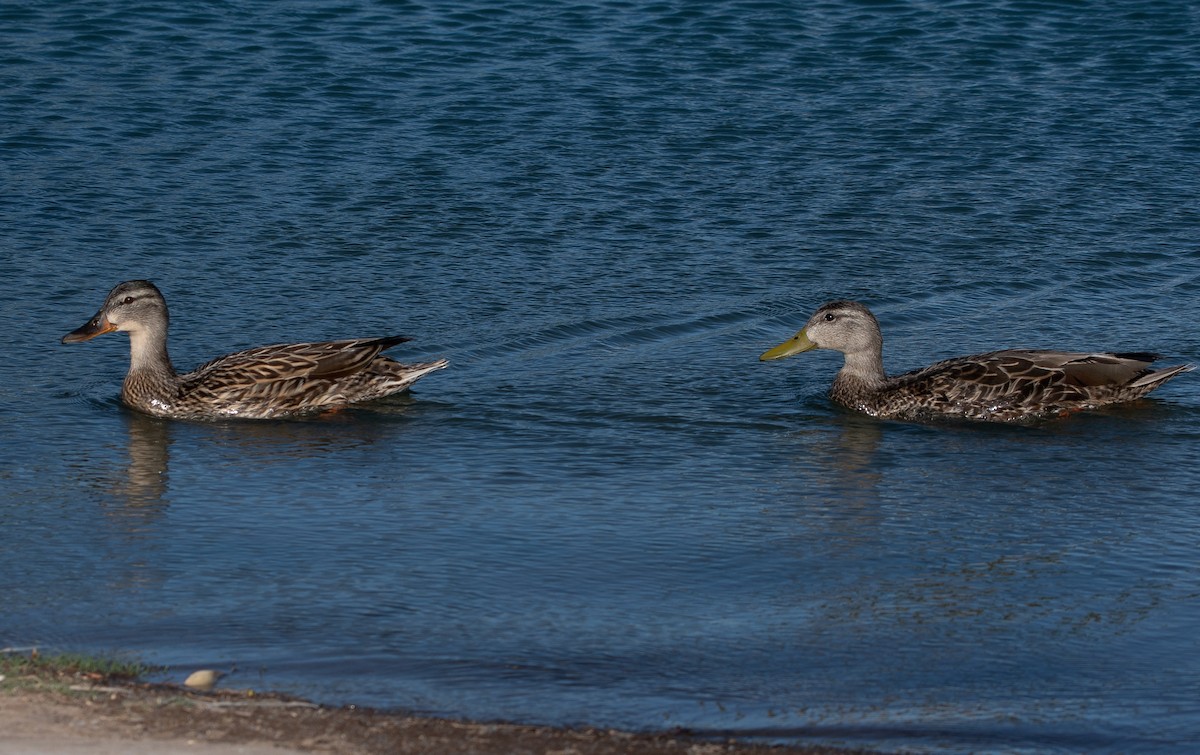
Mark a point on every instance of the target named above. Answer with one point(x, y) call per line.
point(1012, 385)
point(260, 383)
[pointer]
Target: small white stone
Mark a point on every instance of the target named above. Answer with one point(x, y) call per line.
point(203, 680)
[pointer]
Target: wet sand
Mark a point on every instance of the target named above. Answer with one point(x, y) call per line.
point(79, 716)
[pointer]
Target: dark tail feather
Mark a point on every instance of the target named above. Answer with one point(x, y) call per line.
point(1138, 356)
point(388, 342)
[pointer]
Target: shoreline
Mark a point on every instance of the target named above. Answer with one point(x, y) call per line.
point(71, 713)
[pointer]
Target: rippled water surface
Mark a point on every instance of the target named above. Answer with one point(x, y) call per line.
point(607, 511)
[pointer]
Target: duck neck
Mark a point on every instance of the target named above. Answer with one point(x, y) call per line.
point(862, 371)
point(148, 350)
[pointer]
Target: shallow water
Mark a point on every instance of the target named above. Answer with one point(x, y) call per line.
point(607, 511)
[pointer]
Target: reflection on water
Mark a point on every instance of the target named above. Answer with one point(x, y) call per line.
point(144, 486)
point(848, 459)
point(142, 490)
point(832, 483)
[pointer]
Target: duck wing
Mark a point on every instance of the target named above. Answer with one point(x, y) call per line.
point(1094, 370)
point(329, 360)
point(284, 376)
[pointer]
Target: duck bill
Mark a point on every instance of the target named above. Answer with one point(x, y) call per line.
point(794, 345)
point(97, 326)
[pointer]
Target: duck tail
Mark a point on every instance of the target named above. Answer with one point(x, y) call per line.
point(1152, 380)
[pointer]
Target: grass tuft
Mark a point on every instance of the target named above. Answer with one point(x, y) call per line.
point(65, 665)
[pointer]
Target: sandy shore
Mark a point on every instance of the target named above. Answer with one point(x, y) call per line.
point(77, 716)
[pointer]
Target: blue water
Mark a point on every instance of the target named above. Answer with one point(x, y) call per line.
point(607, 511)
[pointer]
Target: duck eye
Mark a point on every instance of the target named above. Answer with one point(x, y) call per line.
point(829, 317)
point(128, 300)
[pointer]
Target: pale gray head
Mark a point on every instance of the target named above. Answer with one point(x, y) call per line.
point(845, 326)
point(133, 306)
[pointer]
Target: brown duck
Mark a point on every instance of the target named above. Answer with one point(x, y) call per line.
point(999, 386)
point(268, 381)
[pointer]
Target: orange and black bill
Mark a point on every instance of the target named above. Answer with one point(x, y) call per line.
point(97, 326)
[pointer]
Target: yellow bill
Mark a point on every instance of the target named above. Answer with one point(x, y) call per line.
point(794, 345)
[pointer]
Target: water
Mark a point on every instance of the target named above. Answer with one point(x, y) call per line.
point(607, 511)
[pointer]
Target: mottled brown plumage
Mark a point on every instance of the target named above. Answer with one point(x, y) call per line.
point(998, 386)
point(268, 381)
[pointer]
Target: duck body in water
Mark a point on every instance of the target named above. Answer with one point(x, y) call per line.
point(999, 386)
point(260, 383)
